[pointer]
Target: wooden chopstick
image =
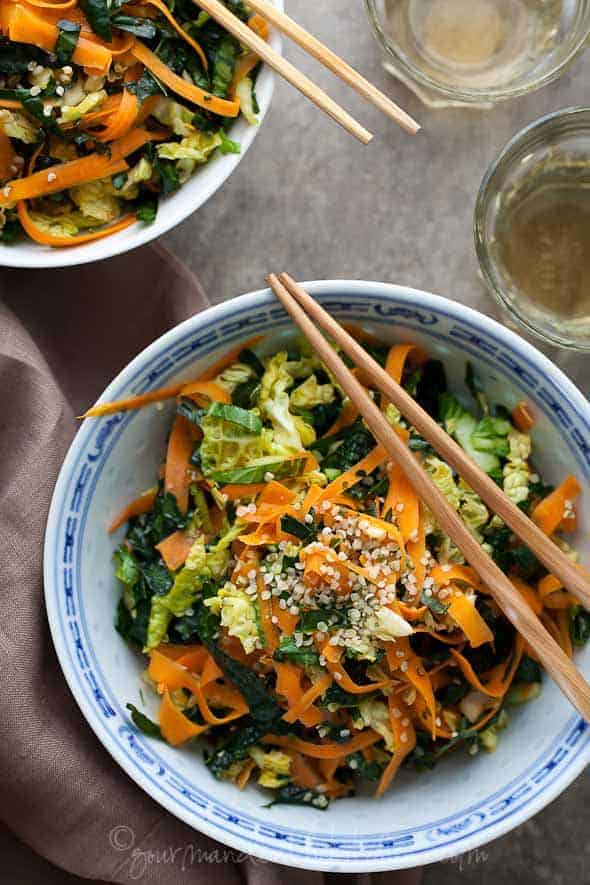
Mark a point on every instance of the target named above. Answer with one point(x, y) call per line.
point(554, 560)
point(553, 658)
point(334, 63)
point(289, 72)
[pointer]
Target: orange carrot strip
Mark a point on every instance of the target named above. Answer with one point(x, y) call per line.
point(404, 740)
point(553, 595)
point(135, 402)
point(7, 156)
point(244, 775)
point(181, 87)
point(401, 652)
point(58, 7)
point(122, 120)
point(325, 751)
point(332, 654)
point(397, 356)
point(156, 396)
point(271, 639)
point(522, 418)
point(143, 504)
point(416, 550)
point(46, 238)
point(347, 479)
point(444, 575)
point(84, 169)
point(234, 491)
point(10, 103)
point(463, 611)
point(175, 726)
point(175, 549)
point(307, 698)
point(173, 675)
point(495, 682)
point(248, 62)
point(403, 503)
point(26, 26)
point(550, 512)
point(530, 595)
point(180, 447)
point(207, 389)
point(303, 774)
point(286, 622)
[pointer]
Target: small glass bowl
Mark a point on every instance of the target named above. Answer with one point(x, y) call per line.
point(478, 52)
point(553, 154)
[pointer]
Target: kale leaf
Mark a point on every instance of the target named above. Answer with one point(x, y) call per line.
point(143, 723)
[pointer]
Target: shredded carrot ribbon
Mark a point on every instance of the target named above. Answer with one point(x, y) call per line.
point(140, 505)
point(7, 156)
point(328, 750)
point(522, 418)
point(333, 654)
point(189, 91)
point(551, 511)
point(84, 169)
point(402, 503)
point(180, 448)
point(463, 611)
point(397, 357)
point(404, 737)
point(350, 477)
point(248, 62)
point(175, 548)
point(26, 26)
point(46, 238)
point(403, 661)
point(174, 675)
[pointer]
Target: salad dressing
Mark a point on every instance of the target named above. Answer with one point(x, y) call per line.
point(542, 237)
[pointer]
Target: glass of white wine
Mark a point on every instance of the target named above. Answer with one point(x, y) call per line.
point(478, 52)
point(532, 228)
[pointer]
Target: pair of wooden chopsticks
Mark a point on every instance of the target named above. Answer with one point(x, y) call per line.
point(310, 317)
point(318, 50)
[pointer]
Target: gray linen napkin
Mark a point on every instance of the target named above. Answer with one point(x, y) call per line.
point(63, 336)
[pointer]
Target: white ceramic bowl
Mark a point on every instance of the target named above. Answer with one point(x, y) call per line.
point(426, 817)
point(172, 210)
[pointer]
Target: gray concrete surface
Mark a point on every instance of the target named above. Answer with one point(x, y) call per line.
point(308, 199)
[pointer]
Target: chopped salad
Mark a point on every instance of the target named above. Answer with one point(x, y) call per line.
point(299, 606)
point(107, 105)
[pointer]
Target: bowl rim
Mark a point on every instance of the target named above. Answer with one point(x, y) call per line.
point(475, 98)
point(35, 257)
point(219, 313)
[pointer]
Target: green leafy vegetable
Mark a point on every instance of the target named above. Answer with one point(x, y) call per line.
point(258, 471)
point(298, 654)
point(67, 39)
point(236, 415)
point(292, 795)
point(225, 62)
point(579, 625)
point(98, 13)
point(435, 605)
point(143, 723)
point(139, 27)
point(528, 671)
point(298, 529)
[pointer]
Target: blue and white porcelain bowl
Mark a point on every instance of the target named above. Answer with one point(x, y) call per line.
point(426, 817)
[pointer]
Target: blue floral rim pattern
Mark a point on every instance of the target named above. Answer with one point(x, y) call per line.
point(107, 715)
